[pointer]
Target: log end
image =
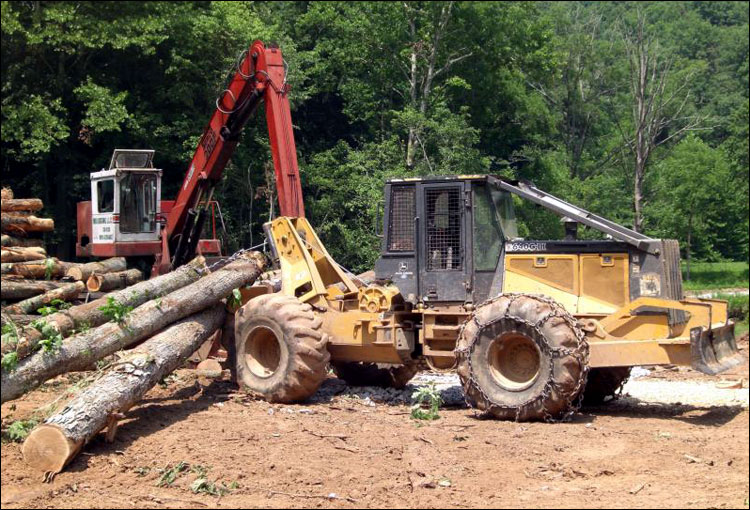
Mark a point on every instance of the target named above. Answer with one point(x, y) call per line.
point(76, 273)
point(47, 449)
point(93, 284)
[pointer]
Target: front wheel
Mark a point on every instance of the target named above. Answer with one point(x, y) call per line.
point(280, 349)
point(522, 357)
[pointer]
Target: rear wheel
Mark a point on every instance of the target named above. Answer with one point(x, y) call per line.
point(604, 385)
point(522, 357)
point(280, 349)
point(375, 374)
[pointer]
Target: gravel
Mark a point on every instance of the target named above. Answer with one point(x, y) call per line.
point(639, 390)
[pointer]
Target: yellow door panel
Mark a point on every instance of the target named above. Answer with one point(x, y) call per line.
point(516, 282)
point(604, 285)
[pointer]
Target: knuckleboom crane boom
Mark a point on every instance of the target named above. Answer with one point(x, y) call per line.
point(260, 77)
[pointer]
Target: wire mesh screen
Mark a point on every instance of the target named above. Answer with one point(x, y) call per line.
point(401, 221)
point(444, 250)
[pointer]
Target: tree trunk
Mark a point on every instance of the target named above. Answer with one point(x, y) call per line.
point(23, 289)
point(13, 224)
point(21, 204)
point(22, 254)
point(89, 315)
point(689, 240)
point(37, 269)
point(18, 320)
point(10, 241)
point(67, 292)
point(81, 351)
point(53, 444)
point(84, 271)
point(110, 281)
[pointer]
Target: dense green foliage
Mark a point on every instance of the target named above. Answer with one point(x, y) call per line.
point(541, 91)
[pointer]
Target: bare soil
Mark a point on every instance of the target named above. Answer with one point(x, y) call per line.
point(343, 451)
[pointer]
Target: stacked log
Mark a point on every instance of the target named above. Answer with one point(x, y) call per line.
point(24, 259)
point(80, 351)
point(66, 292)
point(20, 242)
point(173, 327)
point(13, 290)
point(15, 254)
point(53, 444)
point(110, 281)
point(91, 314)
point(83, 272)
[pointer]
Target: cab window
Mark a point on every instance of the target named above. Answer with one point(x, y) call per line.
point(105, 193)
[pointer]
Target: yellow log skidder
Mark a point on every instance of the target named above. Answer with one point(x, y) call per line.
point(532, 327)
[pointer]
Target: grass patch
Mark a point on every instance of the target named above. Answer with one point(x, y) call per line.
point(18, 431)
point(426, 402)
point(715, 275)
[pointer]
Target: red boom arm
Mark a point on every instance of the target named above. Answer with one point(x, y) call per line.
point(260, 76)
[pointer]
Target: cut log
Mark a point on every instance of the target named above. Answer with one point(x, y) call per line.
point(38, 269)
point(67, 292)
point(21, 204)
point(84, 271)
point(111, 281)
point(13, 290)
point(18, 320)
point(89, 315)
point(22, 254)
point(82, 350)
point(53, 444)
point(11, 241)
point(7, 194)
point(12, 223)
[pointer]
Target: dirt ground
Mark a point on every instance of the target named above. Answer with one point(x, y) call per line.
point(348, 452)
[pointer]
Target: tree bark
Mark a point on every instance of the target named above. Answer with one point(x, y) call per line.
point(90, 315)
point(10, 241)
point(18, 320)
point(84, 271)
point(21, 204)
point(110, 281)
point(67, 292)
point(13, 224)
point(53, 444)
point(22, 254)
point(37, 269)
point(13, 290)
point(81, 351)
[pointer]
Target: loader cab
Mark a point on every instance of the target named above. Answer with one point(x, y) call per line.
point(125, 207)
point(444, 238)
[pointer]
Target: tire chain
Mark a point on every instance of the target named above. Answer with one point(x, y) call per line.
point(581, 353)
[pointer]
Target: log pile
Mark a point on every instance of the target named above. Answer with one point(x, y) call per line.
point(167, 319)
point(32, 281)
point(29, 274)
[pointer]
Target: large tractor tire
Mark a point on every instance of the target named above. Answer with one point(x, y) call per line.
point(281, 351)
point(604, 385)
point(522, 357)
point(375, 374)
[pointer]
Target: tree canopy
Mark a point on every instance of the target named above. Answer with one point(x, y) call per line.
point(571, 95)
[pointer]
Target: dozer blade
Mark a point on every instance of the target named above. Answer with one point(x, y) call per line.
point(714, 350)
